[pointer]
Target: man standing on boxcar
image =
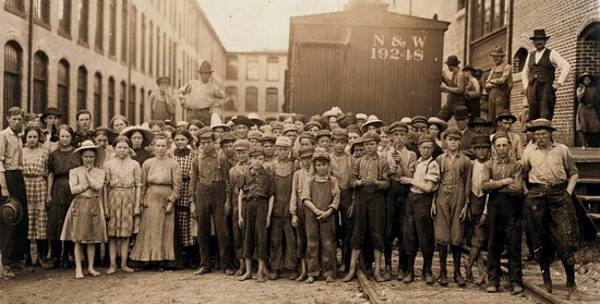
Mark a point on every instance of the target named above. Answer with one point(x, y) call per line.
point(538, 72)
point(162, 103)
point(498, 84)
point(454, 86)
point(200, 96)
point(552, 176)
point(13, 238)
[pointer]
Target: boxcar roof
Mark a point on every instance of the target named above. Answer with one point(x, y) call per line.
point(370, 17)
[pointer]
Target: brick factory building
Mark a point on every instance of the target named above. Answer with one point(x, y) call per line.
point(103, 55)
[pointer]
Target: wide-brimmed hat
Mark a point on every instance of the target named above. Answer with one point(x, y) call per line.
point(146, 133)
point(242, 120)
point(11, 212)
point(205, 67)
point(478, 121)
point(440, 123)
point(256, 119)
point(539, 34)
point(86, 145)
point(216, 122)
point(585, 74)
point(506, 115)
point(163, 79)
point(540, 123)
point(452, 60)
point(311, 124)
point(50, 111)
point(498, 51)
point(372, 120)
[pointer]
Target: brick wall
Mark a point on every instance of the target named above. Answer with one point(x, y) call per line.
point(563, 20)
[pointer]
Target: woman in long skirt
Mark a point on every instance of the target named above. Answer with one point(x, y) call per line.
point(85, 222)
point(122, 194)
point(161, 182)
point(60, 162)
point(184, 241)
point(587, 124)
point(35, 172)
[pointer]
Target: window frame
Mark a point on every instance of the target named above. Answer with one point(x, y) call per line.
point(63, 84)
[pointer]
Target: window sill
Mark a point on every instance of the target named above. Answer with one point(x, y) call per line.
point(488, 36)
point(64, 34)
point(83, 43)
point(16, 11)
point(99, 50)
point(42, 24)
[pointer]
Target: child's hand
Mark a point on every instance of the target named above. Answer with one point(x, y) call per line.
point(350, 211)
point(295, 221)
point(433, 210)
point(136, 211)
point(169, 208)
point(463, 213)
point(106, 215)
point(483, 218)
point(193, 213)
point(241, 222)
point(227, 208)
point(325, 214)
point(268, 221)
point(406, 180)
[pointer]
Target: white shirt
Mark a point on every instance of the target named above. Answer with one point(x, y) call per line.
point(555, 58)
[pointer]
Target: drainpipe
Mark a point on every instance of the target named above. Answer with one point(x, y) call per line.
point(466, 40)
point(509, 31)
point(129, 34)
point(28, 96)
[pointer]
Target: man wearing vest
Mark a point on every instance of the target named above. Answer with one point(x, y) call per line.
point(539, 71)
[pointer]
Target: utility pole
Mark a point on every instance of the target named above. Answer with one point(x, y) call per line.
point(29, 101)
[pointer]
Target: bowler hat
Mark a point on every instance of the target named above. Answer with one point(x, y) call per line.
point(461, 113)
point(540, 123)
point(481, 141)
point(498, 51)
point(205, 67)
point(539, 34)
point(50, 111)
point(506, 115)
point(11, 212)
point(452, 60)
point(468, 68)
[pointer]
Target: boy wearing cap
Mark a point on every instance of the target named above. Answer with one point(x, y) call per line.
point(210, 183)
point(323, 139)
point(321, 199)
point(451, 204)
point(504, 122)
point(236, 175)
point(341, 168)
point(162, 102)
point(370, 177)
point(241, 126)
point(268, 145)
point(477, 225)
point(255, 206)
point(418, 231)
point(402, 164)
point(454, 86)
point(283, 238)
point(503, 180)
point(498, 84)
point(297, 207)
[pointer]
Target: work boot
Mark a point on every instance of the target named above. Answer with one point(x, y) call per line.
point(516, 288)
point(409, 274)
point(547, 279)
point(387, 274)
point(456, 257)
point(443, 277)
point(427, 273)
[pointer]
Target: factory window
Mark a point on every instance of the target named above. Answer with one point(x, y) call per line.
point(231, 72)
point(112, 34)
point(64, 17)
point(158, 51)
point(151, 49)
point(272, 68)
point(100, 25)
point(40, 81)
point(519, 60)
point(134, 36)
point(81, 88)
point(131, 104)
point(84, 20)
point(98, 99)
point(123, 99)
point(111, 97)
point(41, 12)
point(272, 100)
point(143, 44)
point(124, 34)
point(164, 57)
point(16, 6)
point(62, 92)
point(251, 99)
point(13, 74)
point(488, 17)
point(232, 92)
point(252, 68)
point(142, 106)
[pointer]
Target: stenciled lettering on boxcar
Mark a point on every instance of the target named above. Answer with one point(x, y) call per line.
point(397, 47)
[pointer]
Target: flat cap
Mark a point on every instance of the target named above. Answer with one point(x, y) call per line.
point(305, 152)
point(227, 137)
point(406, 120)
point(481, 141)
point(425, 138)
point(255, 135)
point(339, 133)
point(283, 141)
point(268, 138)
point(322, 133)
point(321, 155)
point(419, 119)
point(307, 135)
point(312, 124)
point(500, 135)
point(276, 125)
point(289, 128)
point(453, 132)
point(370, 136)
point(206, 132)
point(398, 126)
point(353, 129)
point(241, 144)
point(361, 116)
point(256, 151)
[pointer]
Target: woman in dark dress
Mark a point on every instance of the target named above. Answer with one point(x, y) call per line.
point(60, 162)
point(587, 123)
point(140, 138)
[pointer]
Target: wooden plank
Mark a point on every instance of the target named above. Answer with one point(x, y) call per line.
point(367, 288)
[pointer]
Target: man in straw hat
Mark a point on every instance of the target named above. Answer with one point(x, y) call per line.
point(200, 95)
point(13, 238)
point(552, 175)
point(538, 75)
point(454, 86)
point(498, 84)
point(162, 103)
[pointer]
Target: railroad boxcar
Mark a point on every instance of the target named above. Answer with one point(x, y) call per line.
point(365, 60)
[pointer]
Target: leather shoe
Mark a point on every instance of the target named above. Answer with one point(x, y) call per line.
point(409, 276)
point(492, 289)
point(516, 289)
point(429, 279)
point(202, 270)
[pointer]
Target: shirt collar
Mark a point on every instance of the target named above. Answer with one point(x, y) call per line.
point(321, 179)
point(12, 132)
point(421, 160)
point(500, 160)
point(212, 154)
point(374, 156)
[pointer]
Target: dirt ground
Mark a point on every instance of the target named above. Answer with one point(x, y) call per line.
point(60, 286)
